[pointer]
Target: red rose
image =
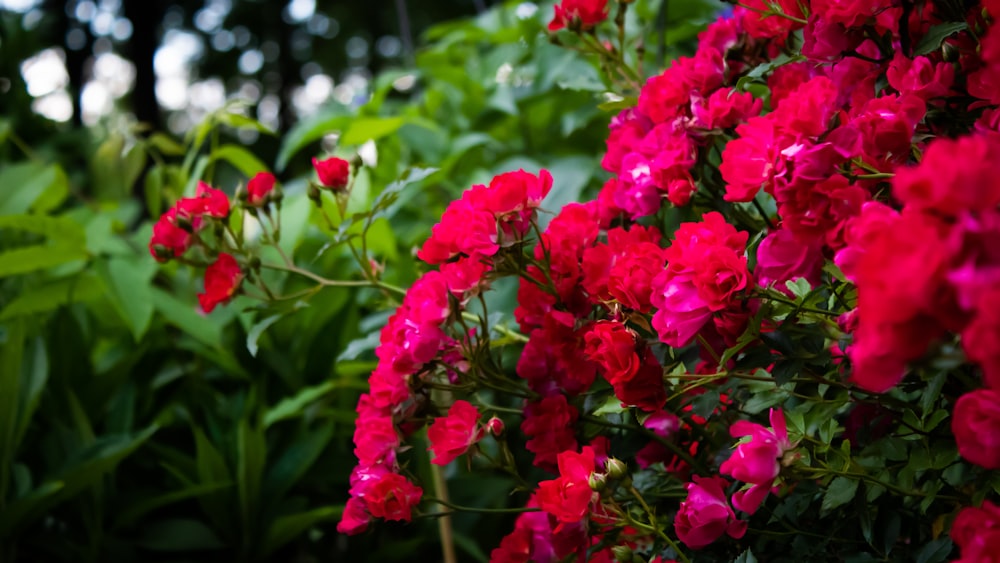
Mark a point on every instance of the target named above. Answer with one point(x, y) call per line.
point(450, 436)
point(721, 276)
point(705, 515)
point(587, 12)
point(392, 497)
point(977, 533)
point(259, 188)
point(168, 240)
point(981, 339)
point(334, 173)
point(645, 390)
point(976, 425)
point(222, 280)
point(630, 277)
point(569, 496)
point(612, 347)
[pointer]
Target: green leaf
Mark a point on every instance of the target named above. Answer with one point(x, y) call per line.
point(286, 528)
point(241, 158)
point(184, 316)
point(612, 406)
point(48, 297)
point(34, 376)
point(32, 186)
point(935, 551)
point(258, 328)
point(38, 257)
point(211, 468)
point(81, 471)
point(60, 229)
point(146, 505)
point(370, 129)
point(127, 279)
point(179, 535)
point(293, 463)
point(292, 407)
point(251, 455)
point(240, 121)
point(746, 557)
point(11, 355)
point(840, 491)
point(166, 144)
point(936, 35)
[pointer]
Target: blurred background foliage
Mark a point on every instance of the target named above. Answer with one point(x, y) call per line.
point(134, 428)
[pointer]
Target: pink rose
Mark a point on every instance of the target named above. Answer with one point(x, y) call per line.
point(976, 425)
point(705, 515)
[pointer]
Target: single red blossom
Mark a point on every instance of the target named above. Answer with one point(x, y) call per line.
point(955, 175)
point(375, 439)
point(222, 281)
point(756, 461)
point(334, 173)
point(645, 389)
point(393, 497)
point(213, 202)
point(976, 425)
point(613, 348)
point(355, 518)
point(168, 240)
point(259, 188)
point(705, 515)
point(569, 496)
point(782, 257)
point(976, 530)
point(586, 13)
point(851, 13)
point(451, 436)
point(727, 108)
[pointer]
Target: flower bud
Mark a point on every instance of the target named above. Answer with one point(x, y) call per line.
point(622, 553)
point(313, 193)
point(334, 173)
point(496, 427)
point(597, 481)
point(616, 468)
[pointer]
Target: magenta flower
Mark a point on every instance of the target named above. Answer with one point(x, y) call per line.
point(757, 461)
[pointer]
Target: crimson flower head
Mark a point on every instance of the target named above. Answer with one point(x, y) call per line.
point(334, 173)
point(757, 461)
point(705, 515)
point(259, 188)
point(222, 279)
point(451, 435)
point(569, 496)
point(169, 240)
point(588, 12)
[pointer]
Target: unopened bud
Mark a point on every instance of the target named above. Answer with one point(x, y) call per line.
point(597, 481)
point(616, 468)
point(496, 427)
point(622, 553)
point(254, 263)
point(241, 194)
point(313, 193)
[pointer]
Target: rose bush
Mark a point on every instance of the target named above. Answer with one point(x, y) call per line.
point(798, 220)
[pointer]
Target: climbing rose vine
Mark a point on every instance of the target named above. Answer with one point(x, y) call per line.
point(774, 334)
